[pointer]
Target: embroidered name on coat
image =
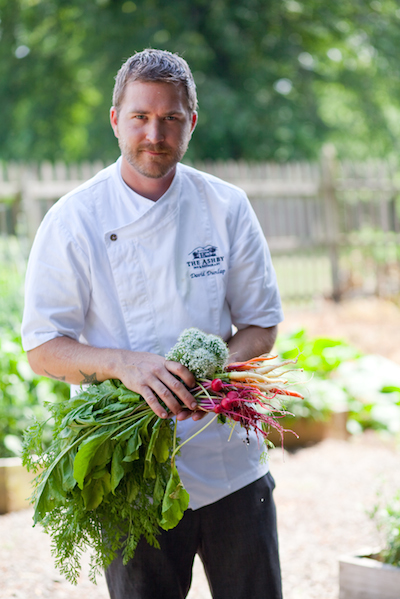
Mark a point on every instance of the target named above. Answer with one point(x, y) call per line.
point(206, 262)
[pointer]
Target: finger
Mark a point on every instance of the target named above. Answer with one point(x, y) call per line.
point(170, 387)
point(178, 389)
point(182, 372)
point(176, 386)
point(184, 415)
point(198, 415)
point(153, 403)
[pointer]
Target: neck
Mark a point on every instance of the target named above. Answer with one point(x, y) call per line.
point(149, 188)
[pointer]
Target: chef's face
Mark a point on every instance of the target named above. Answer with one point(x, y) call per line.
point(153, 126)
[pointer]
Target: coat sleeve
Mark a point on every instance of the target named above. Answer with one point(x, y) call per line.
point(252, 290)
point(57, 286)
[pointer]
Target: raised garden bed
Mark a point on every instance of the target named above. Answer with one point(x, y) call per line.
point(15, 485)
point(311, 431)
point(365, 577)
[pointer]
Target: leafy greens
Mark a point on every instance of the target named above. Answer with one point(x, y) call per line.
point(106, 480)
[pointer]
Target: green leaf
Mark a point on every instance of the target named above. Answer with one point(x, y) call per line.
point(159, 489)
point(106, 480)
point(128, 433)
point(149, 467)
point(162, 445)
point(98, 473)
point(87, 451)
point(93, 494)
point(128, 396)
point(131, 457)
point(132, 491)
point(50, 493)
point(117, 469)
point(132, 446)
point(66, 467)
point(103, 454)
point(390, 389)
point(175, 502)
point(48, 487)
point(153, 439)
point(144, 433)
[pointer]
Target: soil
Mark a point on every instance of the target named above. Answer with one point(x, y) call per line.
point(323, 492)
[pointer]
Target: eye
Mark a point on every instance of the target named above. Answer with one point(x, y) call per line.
point(170, 118)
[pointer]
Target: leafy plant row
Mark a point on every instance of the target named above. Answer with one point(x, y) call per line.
point(338, 377)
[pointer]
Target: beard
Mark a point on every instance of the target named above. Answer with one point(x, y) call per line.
point(150, 166)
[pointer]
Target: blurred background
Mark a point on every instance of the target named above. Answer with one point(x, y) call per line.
point(276, 79)
point(299, 104)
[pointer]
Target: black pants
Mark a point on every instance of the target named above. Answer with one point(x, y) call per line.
point(236, 539)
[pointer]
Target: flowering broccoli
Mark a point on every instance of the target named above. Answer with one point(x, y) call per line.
point(202, 354)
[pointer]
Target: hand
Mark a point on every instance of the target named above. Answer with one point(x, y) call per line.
point(152, 375)
point(142, 372)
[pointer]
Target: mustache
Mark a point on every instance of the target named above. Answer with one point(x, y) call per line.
point(160, 147)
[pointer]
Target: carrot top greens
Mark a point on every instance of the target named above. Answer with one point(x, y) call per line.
point(105, 480)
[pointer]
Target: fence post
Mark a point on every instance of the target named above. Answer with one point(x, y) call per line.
point(331, 209)
point(31, 205)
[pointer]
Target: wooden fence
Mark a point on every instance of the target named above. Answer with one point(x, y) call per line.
point(333, 227)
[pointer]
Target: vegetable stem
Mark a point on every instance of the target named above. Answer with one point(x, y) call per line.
point(192, 437)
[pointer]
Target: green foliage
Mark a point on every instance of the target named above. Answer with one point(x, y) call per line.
point(275, 79)
point(106, 479)
point(319, 355)
point(175, 501)
point(23, 395)
point(318, 358)
point(387, 519)
point(12, 272)
point(338, 377)
point(371, 383)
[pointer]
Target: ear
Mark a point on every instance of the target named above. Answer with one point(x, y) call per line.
point(194, 121)
point(114, 120)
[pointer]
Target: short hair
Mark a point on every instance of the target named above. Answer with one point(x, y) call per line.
point(155, 65)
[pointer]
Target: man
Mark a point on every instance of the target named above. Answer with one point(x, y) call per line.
point(118, 269)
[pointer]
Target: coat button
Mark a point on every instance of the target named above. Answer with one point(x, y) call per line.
point(113, 237)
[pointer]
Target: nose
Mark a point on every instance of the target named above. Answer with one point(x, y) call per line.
point(154, 131)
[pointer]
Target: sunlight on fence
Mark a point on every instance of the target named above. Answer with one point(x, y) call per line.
point(302, 278)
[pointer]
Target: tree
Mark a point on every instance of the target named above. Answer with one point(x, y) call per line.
point(275, 78)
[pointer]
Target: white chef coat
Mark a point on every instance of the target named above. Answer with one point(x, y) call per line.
point(112, 269)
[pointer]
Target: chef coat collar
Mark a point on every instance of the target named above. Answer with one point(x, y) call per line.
point(139, 203)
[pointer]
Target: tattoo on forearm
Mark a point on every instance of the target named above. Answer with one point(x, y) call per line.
point(53, 376)
point(89, 378)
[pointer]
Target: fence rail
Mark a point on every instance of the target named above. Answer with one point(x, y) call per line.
point(333, 227)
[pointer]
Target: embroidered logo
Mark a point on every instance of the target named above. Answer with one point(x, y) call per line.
point(205, 262)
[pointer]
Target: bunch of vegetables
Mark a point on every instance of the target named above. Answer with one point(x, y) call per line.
point(109, 476)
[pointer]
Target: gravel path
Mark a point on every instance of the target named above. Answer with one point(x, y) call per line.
point(322, 495)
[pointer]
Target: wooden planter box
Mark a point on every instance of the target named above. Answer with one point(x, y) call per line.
point(15, 485)
point(311, 431)
point(364, 577)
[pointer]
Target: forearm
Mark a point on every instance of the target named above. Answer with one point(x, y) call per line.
point(250, 342)
point(150, 375)
point(68, 360)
